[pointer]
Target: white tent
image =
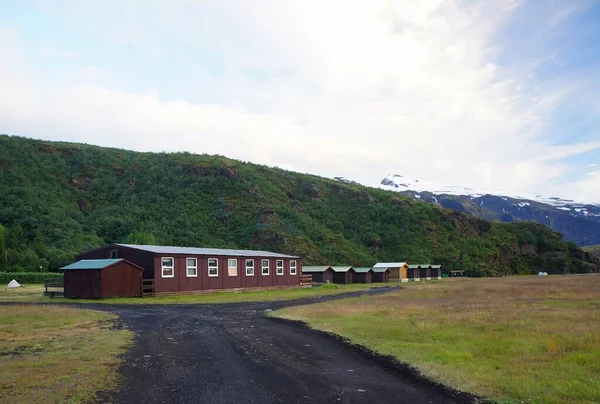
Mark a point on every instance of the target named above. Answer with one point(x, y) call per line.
point(13, 284)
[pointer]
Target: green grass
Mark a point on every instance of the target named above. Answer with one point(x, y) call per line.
point(517, 339)
point(34, 293)
point(55, 354)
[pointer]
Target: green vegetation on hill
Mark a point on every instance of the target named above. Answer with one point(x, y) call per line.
point(593, 250)
point(61, 198)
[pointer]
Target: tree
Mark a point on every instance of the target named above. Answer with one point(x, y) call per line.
point(140, 238)
point(3, 251)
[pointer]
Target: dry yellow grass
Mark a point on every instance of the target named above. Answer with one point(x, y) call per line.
point(54, 354)
point(533, 339)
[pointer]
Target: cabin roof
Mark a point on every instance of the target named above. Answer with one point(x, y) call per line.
point(321, 268)
point(389, 265)
point(159, 249)
point(91, 264)
point(362, 269)
point(380, 269)
point(341, 268)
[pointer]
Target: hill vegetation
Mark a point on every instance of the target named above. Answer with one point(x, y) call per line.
point(61, 198)
point(593, 250)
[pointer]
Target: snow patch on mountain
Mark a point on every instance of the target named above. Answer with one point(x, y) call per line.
point(402, 183)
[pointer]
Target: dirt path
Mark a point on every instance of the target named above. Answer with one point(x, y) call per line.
point(233, 354)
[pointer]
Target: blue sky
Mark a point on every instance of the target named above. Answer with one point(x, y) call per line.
point(496, 94)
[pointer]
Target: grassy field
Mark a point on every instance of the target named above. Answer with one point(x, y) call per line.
point(517, 339)
point(34, 293)
point(54, 354)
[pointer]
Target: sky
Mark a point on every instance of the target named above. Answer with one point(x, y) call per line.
point(489, 94)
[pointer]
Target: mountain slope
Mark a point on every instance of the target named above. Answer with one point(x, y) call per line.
point(593, 250)
point(61, 198)
point(578, 222)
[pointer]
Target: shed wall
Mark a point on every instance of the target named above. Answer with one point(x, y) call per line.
point(398, 273)
point(343, 277)
point(363, 277)
point(121, 280)
point(380, 277)
point(83, 284)
point(435, 272)
point(322, 277)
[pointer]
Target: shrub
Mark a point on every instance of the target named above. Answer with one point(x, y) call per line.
point(328, 286)
point(28, 277)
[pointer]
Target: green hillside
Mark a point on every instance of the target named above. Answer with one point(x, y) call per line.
point(593, 250)
point(61, 198)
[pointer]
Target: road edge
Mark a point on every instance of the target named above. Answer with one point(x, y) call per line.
point(388, 362)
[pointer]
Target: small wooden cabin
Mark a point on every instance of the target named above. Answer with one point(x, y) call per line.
point(102, 278)
point(424, 271)
point(320, 274)
point(363, 275)
point(343, 274)
point(413, 273)
point(380, 275)
point(398, 270)
point(435, 272)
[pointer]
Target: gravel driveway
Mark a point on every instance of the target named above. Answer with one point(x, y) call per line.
point(231, 353)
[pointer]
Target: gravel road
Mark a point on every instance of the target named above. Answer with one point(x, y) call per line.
point(232, 353)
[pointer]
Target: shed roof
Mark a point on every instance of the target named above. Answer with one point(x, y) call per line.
point(159, 249)
point(414, 266)
point(389, 265)
point(362, 269)
point(436, 266)
point(91, 264)
point(341, 268)
point(380, 269)
point(315, 268)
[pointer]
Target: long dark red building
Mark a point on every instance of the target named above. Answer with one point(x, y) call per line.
point(187, 269)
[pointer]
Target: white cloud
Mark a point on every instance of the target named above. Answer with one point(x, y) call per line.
point(355, 89)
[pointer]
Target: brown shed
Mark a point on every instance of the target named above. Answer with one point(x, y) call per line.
point(435, 272)
point(413, 272)
point(320, 274)
point(102, 278)
point(380, 275)
point(424, 271)
point(343, 274)
point(363, 275)
point(191, 269)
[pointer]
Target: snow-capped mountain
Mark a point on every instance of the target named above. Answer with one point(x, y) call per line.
point(578, 222)
point(401, 183)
